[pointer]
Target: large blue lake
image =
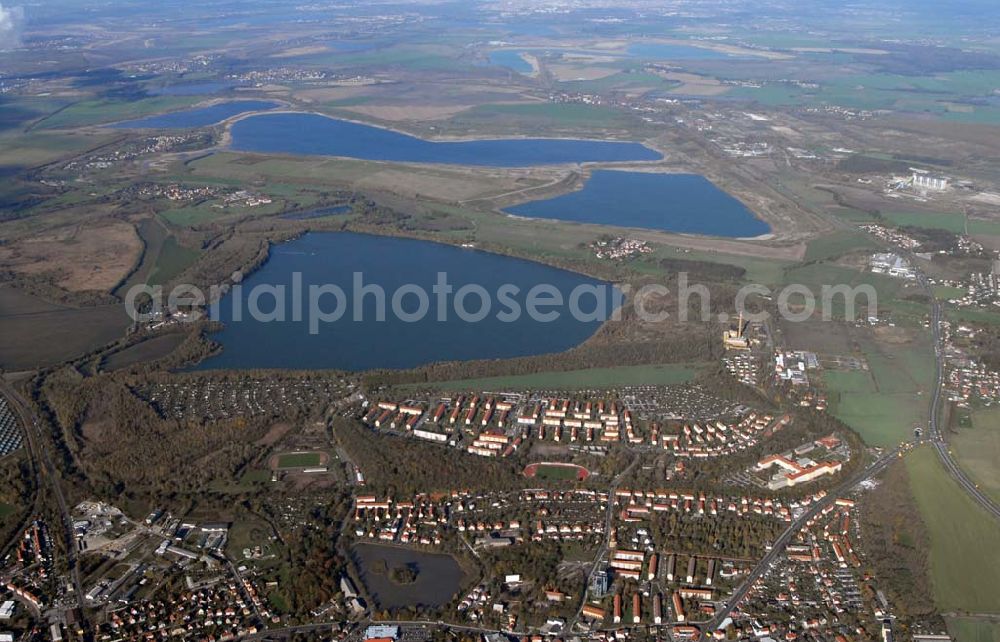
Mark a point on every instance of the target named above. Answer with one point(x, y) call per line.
point(511, 60)
point(684, 203)
point(197, 117)
point(332, 258)
point(298, 133)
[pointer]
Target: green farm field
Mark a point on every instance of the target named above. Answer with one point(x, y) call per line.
point(173, 259)
point(202, 214)
point(977, 449)
point(533, 116)
point(887, 402)
point(98, 111)
point(163, 258)
point(950, 222)
point(964, 566)
point(967, 629)
point(881, 419)
point(37, 148)
point(838, 243)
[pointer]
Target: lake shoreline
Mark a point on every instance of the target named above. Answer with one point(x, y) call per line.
point(441, 577)
point(296, 133)
point(399, 344)
point(675, 203)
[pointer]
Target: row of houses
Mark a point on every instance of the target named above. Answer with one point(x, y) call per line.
point(819, 581)
point(636, 504)
point(638, 609)
point(496, 519)
point(497, 426)
point(720, 438)
point(220, 611)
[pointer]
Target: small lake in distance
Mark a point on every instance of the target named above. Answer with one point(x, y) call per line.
point(510, 59)
point(348, 344)
point(682, 203)
point(313, 134)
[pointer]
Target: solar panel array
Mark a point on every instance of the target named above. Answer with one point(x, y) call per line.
point(10, 432)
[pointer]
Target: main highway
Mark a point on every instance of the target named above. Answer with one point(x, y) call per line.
point(936, 438)
point(934, 429)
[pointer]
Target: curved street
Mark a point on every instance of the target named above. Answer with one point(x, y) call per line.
point(936, 438)
point(935, 434)
point(779, 545)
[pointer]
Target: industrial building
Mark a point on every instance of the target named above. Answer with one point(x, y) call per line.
point(796, 472)
point(891, 264)
point(923, 180)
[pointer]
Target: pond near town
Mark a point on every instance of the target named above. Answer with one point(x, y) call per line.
point(683, 203)
point(359, 340)
point(438, 577)
point(510, 59)
point(313, 134)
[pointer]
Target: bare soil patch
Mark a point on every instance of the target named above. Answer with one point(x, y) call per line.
point(81, 257)
point(409, 112)
point(35, 333)
point(565, 73)
point(301, 51)
point(274, 434)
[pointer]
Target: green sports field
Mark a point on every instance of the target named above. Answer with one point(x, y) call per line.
point(300, 460)
point(560, 473)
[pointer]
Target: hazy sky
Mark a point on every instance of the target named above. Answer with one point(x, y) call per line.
point(10, 25)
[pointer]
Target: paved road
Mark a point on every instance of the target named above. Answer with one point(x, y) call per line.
point(779, 545)
point(776, 550)
point(940, 446)
point(241, 586)
point(29, 446)
point(357, 626)
point(602, 551)
point(34, 440)
point(934, 429)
